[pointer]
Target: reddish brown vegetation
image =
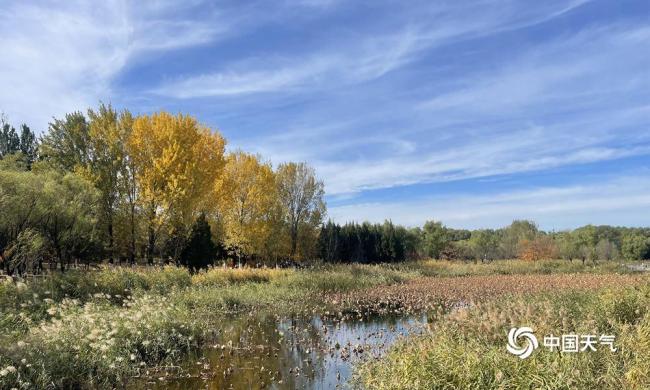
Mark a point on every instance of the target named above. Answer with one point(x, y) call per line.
point(435, 293)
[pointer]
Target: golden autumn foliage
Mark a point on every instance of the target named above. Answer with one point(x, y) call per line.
point(177, 161)
point(246, 198)
point(158, 174)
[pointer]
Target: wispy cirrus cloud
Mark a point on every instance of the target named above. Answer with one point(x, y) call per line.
point(61, 57)
point(552, 207)
point(375, 95)
point(568, 101)
point(568, 71)
point(363, 57)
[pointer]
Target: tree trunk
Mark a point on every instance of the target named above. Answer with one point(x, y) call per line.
point(150, 245)
point(151, 235)
point(132, 249)
point(110, 240)
point(294, 241)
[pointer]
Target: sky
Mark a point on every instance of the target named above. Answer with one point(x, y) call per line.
point(473, 113)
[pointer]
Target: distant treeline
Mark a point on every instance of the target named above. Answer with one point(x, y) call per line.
point(369, 243)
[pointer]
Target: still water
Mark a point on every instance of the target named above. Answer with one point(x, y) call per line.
point(255, 352)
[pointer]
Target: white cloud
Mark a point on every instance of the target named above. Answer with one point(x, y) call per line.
point(61, 57)
point(237, 83)
point(570, 101)
point(466, 155)
point(575, 71)
point(362, 57)
point(615, 202)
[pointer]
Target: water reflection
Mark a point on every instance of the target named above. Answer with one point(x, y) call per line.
point(255, 352)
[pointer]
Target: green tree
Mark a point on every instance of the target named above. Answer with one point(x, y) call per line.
point(28, 144)
point(328, 242)
point(20, 203)
point(9, 140)
point(68, 211)
point(635, 247)
point(199, 250)
point(484, 244)
point(513, 235)
point(606, 250)
point(26, 252)
point(586, 239)
point(61, 207)
point(66, 144)
point(105, 163)
point(434, 239)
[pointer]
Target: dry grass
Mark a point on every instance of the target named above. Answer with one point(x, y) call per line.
point(433, 294)
point(95, 329)
point(227, 276)
point(465, 349)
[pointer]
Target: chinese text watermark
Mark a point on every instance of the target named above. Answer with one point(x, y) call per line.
point(522, 342)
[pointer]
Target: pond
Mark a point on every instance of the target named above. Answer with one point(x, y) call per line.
point(255, 352)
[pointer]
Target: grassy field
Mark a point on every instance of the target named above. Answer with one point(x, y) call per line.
point(100, 328)
point(466, 349)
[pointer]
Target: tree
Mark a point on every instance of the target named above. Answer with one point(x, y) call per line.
point(28, 144)
point(328, 242)
point(20, 202)
point(60, 207)
point(586, 240)
point(434, 239)
point(104, 165)
point(606, 250)
point(635, 247)
point(484, 244)
point(540, 247)
point(199, 251)
point(392, 247)
point(11, 143)
point(93, 148)
point(301, 196)
point(66, 144)
point(176, 163)
point(412, 239)
point(68, 216)
point(513, 235)
point(567, 246)
point(9, 140)
point(128, 186)
point(246, 195)
point(458, 250)
point(26, 253)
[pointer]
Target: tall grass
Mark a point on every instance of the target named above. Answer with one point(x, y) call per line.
point(341, 278)
point(509, 267)
point(228, 276)
point(466, 349)
point(96, 329)
point(24, 304)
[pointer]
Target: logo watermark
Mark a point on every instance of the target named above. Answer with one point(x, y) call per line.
point(525, 333)
point(522, 342)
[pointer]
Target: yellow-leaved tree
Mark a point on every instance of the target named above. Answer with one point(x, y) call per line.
point(246, 198)
point(177, 161)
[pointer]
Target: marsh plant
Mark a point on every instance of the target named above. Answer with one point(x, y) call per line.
point(466, 349)
point(103, 328)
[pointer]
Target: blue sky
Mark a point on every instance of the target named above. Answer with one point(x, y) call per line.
point(473, 113)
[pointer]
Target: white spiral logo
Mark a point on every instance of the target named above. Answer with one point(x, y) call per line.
point(514, 348)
